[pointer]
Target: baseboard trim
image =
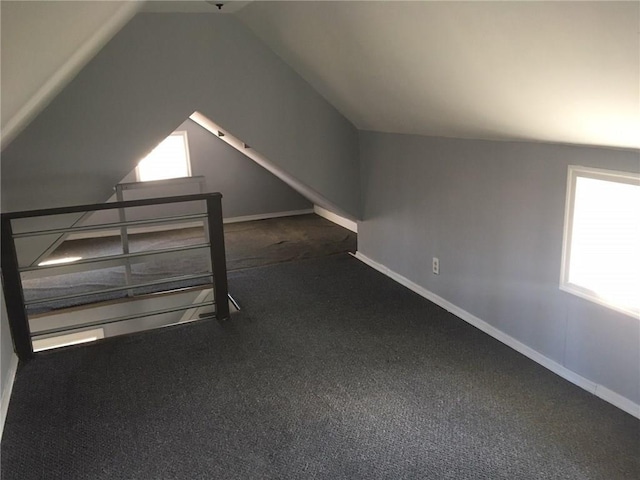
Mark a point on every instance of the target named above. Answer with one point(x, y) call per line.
point(617, 400)
point(6, 393)
point(335, 218)
point(604, 393)
point(266, 216)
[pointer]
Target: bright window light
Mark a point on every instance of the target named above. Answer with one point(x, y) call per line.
point(170, 159)
point(68, 339)
point(59, 261)
point(601, 254)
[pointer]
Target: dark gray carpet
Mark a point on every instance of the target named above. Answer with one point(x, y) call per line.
point(248, 244)
point(330, 371)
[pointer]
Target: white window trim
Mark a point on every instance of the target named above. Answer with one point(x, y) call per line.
point(575, 171)
point(182, 133)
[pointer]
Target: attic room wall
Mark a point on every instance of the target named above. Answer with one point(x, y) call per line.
point(247, 188)
point(6, 349)
point(147, 80)
point(151, 76)
point(493, 213)
point(44, 44)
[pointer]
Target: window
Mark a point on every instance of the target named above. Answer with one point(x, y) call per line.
point(601, 251)
point(170, 159)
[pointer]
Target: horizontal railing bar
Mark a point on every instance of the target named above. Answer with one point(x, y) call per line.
point(110, 258)
point(118, 289)
point(110, 206)
point(107, 226)
point(123, 318)
point(161, 183)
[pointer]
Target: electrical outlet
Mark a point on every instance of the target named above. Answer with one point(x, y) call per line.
point(435, 266)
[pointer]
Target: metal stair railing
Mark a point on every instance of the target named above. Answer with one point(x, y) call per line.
point(12, 272)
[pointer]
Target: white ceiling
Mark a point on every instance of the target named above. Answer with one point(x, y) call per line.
point(200, 6)
point(544, 71)
point(564, 72)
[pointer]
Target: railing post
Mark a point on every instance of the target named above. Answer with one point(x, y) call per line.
point(124, 239)
point(218, 256)
point(18, 320)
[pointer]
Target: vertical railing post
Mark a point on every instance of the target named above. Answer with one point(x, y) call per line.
point(124, 239)
point(218, 255)
point(13, 295)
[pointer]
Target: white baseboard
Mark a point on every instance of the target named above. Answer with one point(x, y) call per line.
point(6, 393)
point(265, 216)
point(617, 400)
point(335, 218)
point(604, 393)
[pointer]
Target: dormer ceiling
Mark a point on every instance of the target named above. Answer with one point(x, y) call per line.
point(200, 6)
point(564, 72)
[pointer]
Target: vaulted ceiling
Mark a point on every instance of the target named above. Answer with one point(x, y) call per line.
point(565, 72)
point(543, 71)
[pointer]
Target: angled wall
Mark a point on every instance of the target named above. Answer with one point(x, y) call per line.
point(44, 44)
point(493, 213)
point(151, 76)
point(248, 189)
point(143, 84)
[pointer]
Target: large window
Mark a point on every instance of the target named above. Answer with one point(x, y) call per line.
point(170, 159)
point(601, 251)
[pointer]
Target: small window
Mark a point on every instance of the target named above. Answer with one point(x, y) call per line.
point(601, 250)
point(170, 159)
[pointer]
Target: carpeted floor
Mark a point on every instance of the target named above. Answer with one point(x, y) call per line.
point(330, 371)
point(248, 245)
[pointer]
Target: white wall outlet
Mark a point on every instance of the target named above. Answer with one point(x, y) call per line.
point(435, 266)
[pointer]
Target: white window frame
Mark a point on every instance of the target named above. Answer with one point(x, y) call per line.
point(185, 140)
point(575, 171)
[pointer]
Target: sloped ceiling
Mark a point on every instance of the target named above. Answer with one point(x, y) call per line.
point(201, 6)
point(563, 72)
point(44, 45)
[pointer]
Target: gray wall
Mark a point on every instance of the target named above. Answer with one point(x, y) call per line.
point(493, 213)
point(44, 44)
point(147, 80)
point(246, 187)
point(6, 349)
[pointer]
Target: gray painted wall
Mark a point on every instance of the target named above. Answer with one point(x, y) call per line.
point(247, 188)
point(44, 44)
point(493, 213)
point(6, 346)
point(147, 80)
